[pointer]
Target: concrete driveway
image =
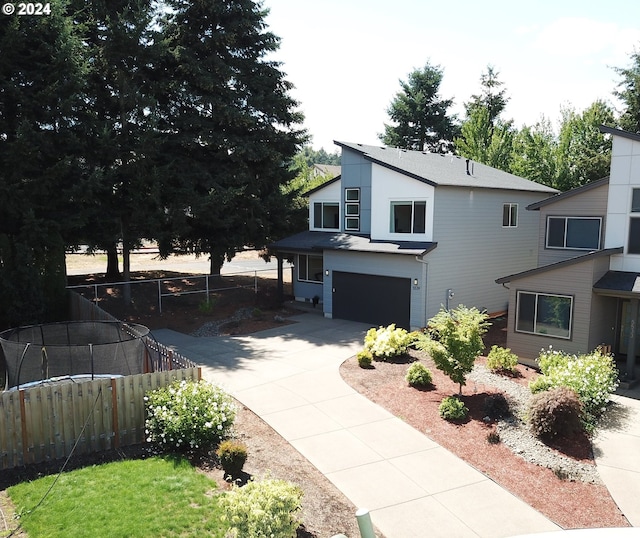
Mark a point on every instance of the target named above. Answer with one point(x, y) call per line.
point(413, 487)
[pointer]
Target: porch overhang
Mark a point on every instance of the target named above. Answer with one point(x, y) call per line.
point(312, 241)
point(623, 284)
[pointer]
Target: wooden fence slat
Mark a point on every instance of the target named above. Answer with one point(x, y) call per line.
point(42, 423)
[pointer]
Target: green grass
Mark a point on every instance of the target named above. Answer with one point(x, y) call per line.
point(160, 496)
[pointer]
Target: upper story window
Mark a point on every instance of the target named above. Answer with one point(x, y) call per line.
point(326, 215)
point(408, 217)
point(580, 233)
point(633, 246)
point(509, 215)
point(352, 210)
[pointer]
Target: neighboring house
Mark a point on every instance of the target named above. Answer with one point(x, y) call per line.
point(326, 170)
point(585, 288)
point(401, 233)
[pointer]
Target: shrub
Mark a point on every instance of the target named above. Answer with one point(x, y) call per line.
point(263, 509)
point(501, 360)
point(453, 408)
point(232, 455)
point(365, 358)
point(493, 437)
point(593, 377)
point(387, 343)
point(555, 412)
point(188, 416)
point(455, 341)
point(418, 375)
point(496, 406)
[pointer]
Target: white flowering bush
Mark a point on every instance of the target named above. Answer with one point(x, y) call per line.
point(593, 377)
point(388, 342)
point(188, 416)
point(268, 508)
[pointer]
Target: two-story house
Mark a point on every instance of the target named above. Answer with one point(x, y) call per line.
point(399, 234)
point(585, 288)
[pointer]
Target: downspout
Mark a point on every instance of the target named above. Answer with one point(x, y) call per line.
point(426, 264)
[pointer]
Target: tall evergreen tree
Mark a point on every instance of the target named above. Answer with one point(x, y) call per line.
point(420, 116)
point(485, 137)
point(234, 129)
point(41, 74)
point(629, 93)
point(122, 87)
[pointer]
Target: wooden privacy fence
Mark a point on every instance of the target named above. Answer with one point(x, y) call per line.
point(43, 423)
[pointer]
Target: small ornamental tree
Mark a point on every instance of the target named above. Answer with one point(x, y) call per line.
point(454, 340)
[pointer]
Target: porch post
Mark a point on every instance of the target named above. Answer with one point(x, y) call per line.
point(631, 346)
point(280, 278)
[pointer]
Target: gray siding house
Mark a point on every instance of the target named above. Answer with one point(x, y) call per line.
point(399, 234)
point(585, 290)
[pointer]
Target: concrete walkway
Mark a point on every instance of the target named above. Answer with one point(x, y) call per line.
point(290, 377)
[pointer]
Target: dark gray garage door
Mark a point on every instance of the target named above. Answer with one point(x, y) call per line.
point(378, 300)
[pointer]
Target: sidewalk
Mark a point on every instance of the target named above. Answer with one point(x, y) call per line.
point(413, 487)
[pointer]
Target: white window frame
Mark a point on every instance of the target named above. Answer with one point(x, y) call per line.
point(320, 225)
point(512, 212)
point(535, 314)
point(303, 268)
point(351, 218)
point(566, 224)
point(412, 203)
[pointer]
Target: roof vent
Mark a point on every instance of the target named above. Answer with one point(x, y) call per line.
point(469, 169)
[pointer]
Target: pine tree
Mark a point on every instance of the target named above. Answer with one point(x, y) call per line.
point(419, 115)
point(234, 129)
point(41, 73)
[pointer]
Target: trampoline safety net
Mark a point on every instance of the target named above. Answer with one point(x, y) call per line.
point(41, 352)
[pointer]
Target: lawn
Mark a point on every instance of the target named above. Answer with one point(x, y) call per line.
point(159, 496)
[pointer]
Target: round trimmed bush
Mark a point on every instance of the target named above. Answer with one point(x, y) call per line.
point(188, 416)
point(453, 408)
point(502, 360)
point(418, 375)
point(496, 406)
point(232, 455)
point(365, 358)
point(555, 412)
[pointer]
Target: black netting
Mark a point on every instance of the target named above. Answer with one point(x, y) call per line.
point(42, 352)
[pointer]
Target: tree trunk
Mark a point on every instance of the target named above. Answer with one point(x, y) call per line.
point(113, 272)
point(216, 260)
point(126, 267)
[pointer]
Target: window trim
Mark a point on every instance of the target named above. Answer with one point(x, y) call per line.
point(566, 224)
point(535, 314)
point(352, 220)
point(413, 202)
point(633, 217)
point(306, 265)
point(512, 206)
point(322, 204)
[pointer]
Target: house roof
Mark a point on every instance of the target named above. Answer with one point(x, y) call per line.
point(310, 241)
point(568, 194)
point(322, 185)
point(618, 283)
point(327, 169)
point(446, 170)
point(565, 263)
point(620, 132)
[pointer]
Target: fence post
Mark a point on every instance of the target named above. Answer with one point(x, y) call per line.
point(255, 282)
point(159, 297)
point(364, 523)
point(114, 414)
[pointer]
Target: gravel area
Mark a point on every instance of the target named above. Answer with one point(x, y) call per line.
point(515, 433)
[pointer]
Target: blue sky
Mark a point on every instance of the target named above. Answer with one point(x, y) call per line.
point(346, 57)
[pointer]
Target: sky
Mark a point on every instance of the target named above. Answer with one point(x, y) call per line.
point(346, 58)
